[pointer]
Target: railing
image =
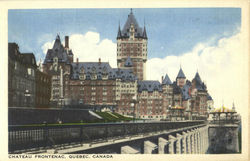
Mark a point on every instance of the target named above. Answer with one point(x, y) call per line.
point(224, 122)
point(27, 137)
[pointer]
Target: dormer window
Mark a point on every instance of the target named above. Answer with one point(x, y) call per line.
point(82, 70)
point(93, 69)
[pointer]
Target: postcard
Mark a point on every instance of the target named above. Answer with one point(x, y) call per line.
point(151, 81)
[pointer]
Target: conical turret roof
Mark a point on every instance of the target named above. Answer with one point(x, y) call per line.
point(181, 74)
point(197, 77)
point(57, 51)
point(119, 34)
point(144, 35)
point(57, 45)
point(166, 80)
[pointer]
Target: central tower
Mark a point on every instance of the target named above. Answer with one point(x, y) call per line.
point(132, 47)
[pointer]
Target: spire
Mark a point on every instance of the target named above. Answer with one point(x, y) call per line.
point(57, 37)
point(128, 62)
point(119, 34)
point(180, 74)
point(57, 43)
point(131, 11)
point(144, 35)
point(197, 77)
point(166, 80)
point(233, 108)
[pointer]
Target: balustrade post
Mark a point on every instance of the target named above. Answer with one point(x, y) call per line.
point(149, 147)
point(161, 145)
point(201, 140)
point(172, 140)
point(128, 150)
point(193, 141)
point(184, 142)
point(189, 144)
point(198, 141)
point(178, 144)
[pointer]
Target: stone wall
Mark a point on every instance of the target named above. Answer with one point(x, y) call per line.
point(223, 139)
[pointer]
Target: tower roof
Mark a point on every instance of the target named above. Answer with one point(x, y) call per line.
point(57, 44)
point(119, 34)
point(166, 80)
point(197, 77)
point(131, 20)
point(198, 82)
point(101, 69)
point(144, 35)
point(149, 86)
point(181, 74)
point(57, 51)
point(128, 62)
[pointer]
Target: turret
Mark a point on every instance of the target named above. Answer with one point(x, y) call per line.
point(119, 34)
point(181, 78)
point(166, 80)
point(132, 45)
point(144, 35)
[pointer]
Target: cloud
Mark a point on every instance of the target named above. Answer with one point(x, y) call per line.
point(221, 65)
point(89, 48)
point(47, 45)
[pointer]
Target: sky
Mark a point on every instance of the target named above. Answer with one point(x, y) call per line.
point(207, 40)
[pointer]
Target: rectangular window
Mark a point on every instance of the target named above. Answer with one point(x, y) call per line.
point(15, 65)
point(29, 71)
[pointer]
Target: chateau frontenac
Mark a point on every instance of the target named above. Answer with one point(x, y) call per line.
point(124, 89)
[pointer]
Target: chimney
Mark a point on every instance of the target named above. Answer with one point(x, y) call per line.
point(66, 41)
point(99, 60)
point(76, 60)
point(161, 79)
